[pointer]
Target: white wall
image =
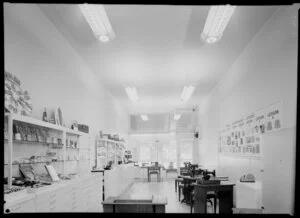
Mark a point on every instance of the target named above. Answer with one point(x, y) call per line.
point(55, 75)
point(266, 71)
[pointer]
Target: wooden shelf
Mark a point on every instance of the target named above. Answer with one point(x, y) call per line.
point(72, 148)
point(58, 130)
point(32, 142)
point(51, 162)
point(37, 162)
point(112, 141)
point(33, 121)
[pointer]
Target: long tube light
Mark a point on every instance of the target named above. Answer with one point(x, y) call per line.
point(177, 116)
point(216, 21)
point(144, 117)
point(132, 94)
point(98, 21)
point(187, 92)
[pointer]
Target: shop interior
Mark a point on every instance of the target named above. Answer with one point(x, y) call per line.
point(116, 108)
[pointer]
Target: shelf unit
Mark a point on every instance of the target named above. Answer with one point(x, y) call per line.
point(108, 150)
point(63, 131)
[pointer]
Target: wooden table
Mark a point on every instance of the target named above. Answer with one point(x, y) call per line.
point(224, 192)
point(154, 204)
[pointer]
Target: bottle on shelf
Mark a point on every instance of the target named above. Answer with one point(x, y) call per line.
point(45, 116)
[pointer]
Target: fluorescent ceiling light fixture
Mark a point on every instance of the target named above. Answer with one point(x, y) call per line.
point(216, 21)
point(177, 116)
point(144, 117)
point(97, 19)
point(187, 92)
point(132, 93)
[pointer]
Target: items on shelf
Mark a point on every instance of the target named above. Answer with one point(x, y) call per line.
point(27, 171)
point(52, 172)
point(5, 130)
point(12, 189)
point(45, 118)
point(58, 117)
point(83, 128)
point(74, 126)
point(17, 100)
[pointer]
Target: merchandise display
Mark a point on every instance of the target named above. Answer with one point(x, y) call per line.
point(83, 128)
point(109, 151)
point(45, 146)
point(45, 118)
point(27, 171)
point(58, 117)
point(52, 172)
point(17, 100)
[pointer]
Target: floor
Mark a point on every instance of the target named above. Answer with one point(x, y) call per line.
point(142, 188)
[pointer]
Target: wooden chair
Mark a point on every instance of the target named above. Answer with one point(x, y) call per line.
point(211, 196)
point(153, 170)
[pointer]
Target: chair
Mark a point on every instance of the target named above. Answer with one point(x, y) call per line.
point(154, 170)
point(154, 164)
point(210, 195)
point(171, 168)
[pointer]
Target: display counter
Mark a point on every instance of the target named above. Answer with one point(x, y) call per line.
point(80, 194)
point(119, 179)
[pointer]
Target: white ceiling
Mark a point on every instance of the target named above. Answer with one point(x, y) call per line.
point(158, 50)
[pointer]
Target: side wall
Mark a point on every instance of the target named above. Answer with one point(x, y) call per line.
point(265, 72)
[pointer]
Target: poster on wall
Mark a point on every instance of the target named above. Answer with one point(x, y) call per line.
point(243, 137)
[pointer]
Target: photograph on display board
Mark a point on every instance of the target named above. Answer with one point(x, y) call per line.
point(273, 116)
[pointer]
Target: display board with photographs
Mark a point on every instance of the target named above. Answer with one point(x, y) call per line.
point(243, 136)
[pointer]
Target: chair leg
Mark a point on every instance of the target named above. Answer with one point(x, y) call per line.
point(211, 203)
point(175, 185)
point(179, 190)
point(215, 205)
point(192, 204)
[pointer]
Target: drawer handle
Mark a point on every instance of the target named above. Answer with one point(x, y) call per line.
point(7, 210)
